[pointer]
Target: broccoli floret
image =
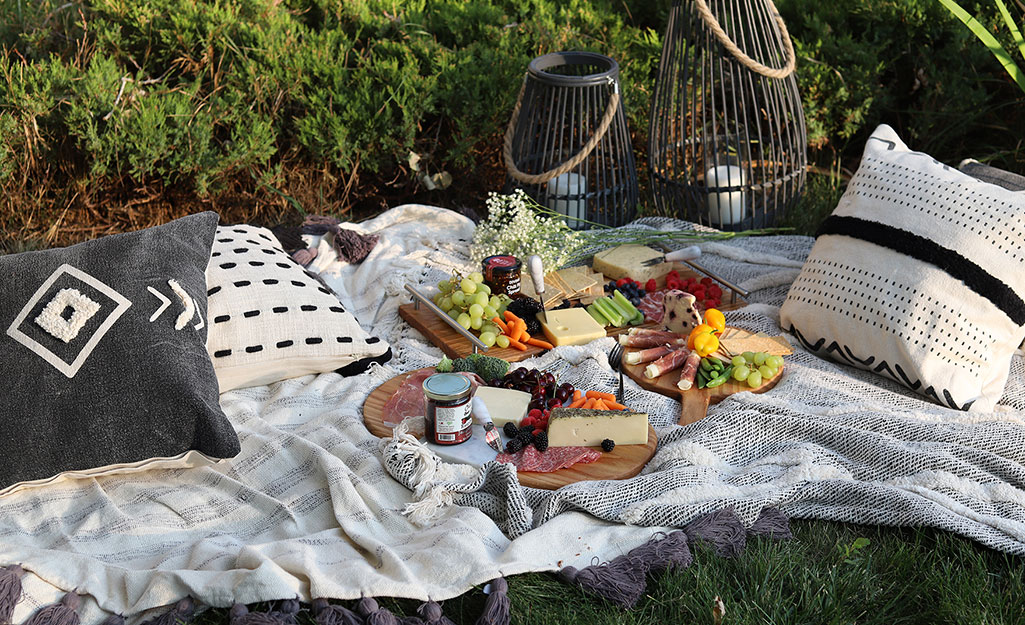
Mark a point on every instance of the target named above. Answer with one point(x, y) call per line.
point(487, 367)
point(444, 366)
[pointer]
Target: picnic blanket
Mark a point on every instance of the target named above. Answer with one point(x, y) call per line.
point(316, 506)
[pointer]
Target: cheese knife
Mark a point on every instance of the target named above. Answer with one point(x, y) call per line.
point(479, 410)
point(537, 275)
point(683, 254)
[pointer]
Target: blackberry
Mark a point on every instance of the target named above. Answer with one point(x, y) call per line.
point(510, 429)
point(526, 429)
point(526, 308)
point(513, 446)
point(525, 438)
point(608, 445)
point(541, 441)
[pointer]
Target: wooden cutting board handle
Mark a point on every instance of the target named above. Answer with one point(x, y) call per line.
point(693, 407)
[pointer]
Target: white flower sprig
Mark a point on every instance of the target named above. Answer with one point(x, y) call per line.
point(513, 226)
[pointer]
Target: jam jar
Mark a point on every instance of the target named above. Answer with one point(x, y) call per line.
point(502, 273)
point(447, 409)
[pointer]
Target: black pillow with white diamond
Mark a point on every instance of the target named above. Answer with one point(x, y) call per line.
point(271, 320)
point(917, 275)
point(103, 356)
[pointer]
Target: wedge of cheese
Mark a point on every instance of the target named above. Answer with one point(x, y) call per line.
point(627, 261)
point(568, 427)
point(505, 405)
point(570, 326)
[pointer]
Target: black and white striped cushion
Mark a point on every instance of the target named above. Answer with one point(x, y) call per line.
point(917, 275)
point(271, 320)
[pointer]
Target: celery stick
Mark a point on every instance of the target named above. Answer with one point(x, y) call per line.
point(594, 312)
point(627, 306)
point(623, 312)
point(609, 311)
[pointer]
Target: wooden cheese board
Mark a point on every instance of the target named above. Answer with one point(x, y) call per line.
point(455, 345)
point(625, 461)
point(694, 403)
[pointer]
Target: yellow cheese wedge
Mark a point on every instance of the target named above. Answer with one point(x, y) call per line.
point(626, 261)
point(505, 405)
point(575, 426)
point(570, 326)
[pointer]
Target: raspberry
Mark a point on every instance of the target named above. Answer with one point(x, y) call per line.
point(537, 432)
point(534, 414)
point(710, 303)
point(714, 291)
point(650, 286)
point(707, 281)
point(622, 281)
point(527, 422)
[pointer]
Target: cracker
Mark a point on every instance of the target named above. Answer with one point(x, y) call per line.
point(737, 341)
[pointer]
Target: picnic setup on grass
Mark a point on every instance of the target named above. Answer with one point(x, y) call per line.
point(317, 415)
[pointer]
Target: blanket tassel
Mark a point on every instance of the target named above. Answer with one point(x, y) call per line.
point(10, 590)
point(63, 613)
point(375, 614)
point(497, 607)
point(722, 530)
point(772, 523)
point(432, 614)
point(180, 614)
point(114, 619)
point(284, 615)
point(620, 580)
point(325, 613)
point(663, 552)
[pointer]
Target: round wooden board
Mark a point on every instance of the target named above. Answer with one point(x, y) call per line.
point(623, 462)
point(695, 402)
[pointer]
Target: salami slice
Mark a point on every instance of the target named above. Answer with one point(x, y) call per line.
point(690, 370)
point(670, 362)
point(553, 459)
point(646, 355)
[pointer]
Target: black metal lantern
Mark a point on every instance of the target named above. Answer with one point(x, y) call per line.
point(727, 143)
point(567, 143)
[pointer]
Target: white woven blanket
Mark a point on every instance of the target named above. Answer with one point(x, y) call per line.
point(311, 508)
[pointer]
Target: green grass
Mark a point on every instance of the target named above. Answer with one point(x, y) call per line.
point(822, 576)
point(821, 193)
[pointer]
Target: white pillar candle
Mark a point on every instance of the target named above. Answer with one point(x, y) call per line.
point(725, 207)
point(568, 184)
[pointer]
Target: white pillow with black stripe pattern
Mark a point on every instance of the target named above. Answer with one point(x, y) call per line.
point(917, 275)
point(271, 320)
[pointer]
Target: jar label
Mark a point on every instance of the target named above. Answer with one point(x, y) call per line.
point(449, 422)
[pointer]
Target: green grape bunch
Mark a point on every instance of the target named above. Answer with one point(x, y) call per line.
point(470, 302)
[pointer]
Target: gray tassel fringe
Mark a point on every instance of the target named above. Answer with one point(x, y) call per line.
point(63, 613)
point(180, 613)
point(497, 607)
point(284, 615)
point(375, 614)
point(325, 613)
point(10, 591)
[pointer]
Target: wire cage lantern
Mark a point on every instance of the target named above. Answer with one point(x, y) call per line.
point(727, 141)
point(567, 144)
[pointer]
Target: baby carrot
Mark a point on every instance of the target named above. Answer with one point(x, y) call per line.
point(501, 324)
point(599, 404)
point(578, 402)
point(577, 394)
point(517, 345)
point(511, 316)
point(539, 343)
point(601, 395)
point(613, 405)
point(589, 403)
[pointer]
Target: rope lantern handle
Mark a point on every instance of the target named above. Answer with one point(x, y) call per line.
point(745, 60)
point(543, 177)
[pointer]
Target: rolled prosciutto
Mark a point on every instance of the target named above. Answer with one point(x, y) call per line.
point(690, 370)
point(670, 362)
point(651, 340)
point(646, 355)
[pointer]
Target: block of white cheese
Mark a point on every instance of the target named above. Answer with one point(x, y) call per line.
point(680, 314)
point(570, 326)
point(576, 426)
point(627, 261)
point(505, 405)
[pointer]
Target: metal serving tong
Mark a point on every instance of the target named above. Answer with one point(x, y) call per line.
point(684, 254)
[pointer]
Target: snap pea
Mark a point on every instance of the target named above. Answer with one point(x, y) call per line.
point(721, 378)
point(715, 362)
point(706, 364)
point(702, 378)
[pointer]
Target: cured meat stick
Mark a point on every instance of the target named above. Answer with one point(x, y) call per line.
point(652, 332)
point(670, 362)
point(646, 355)
point(650, 340)
point(690, 369)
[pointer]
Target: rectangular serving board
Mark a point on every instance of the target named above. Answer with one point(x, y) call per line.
point(454, 345)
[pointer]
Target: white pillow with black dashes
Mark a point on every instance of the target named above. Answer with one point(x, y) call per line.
point(917, 275)
point(271, 320)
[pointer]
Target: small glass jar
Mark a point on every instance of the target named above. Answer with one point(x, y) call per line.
point(447, 409)
point(502, 273)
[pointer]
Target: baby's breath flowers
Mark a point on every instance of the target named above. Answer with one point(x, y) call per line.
point(518, 225)
point(514, 227)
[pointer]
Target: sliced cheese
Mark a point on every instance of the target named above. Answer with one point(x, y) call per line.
point(575, 426)
point(627, 261)
point(570, 326)
point(505, 405)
